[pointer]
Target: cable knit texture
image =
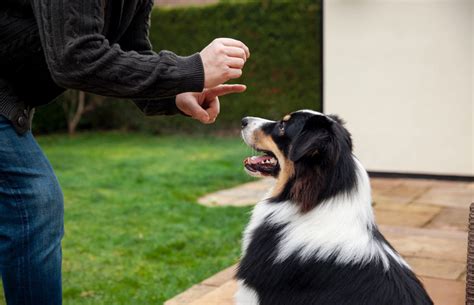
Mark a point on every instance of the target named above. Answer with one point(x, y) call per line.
point(98, 46)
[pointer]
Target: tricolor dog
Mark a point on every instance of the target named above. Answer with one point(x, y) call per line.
point(313, 240)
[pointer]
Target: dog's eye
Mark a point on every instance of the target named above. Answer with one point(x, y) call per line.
point(281, 128)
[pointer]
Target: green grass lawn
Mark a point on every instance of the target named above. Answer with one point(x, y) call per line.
point(134, 233)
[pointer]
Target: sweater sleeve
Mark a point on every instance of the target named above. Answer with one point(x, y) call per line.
point(80, 57)
point(136, 38)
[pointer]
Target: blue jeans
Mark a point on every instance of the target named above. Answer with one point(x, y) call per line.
point(31, 221)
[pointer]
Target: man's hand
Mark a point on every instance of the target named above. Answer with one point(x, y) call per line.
point(204, 106)
point(223, 59)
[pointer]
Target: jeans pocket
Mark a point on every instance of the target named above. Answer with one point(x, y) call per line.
point(4, 122)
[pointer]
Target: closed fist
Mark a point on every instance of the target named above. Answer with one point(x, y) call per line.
point(223, 59)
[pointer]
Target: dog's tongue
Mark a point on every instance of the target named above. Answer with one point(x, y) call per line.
point(256, 159)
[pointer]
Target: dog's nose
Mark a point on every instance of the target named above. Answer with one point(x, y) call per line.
point(245, 122)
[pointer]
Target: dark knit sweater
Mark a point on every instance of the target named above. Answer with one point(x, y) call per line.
point(99, 46)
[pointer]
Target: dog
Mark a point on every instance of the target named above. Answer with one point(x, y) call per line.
point(313, 240)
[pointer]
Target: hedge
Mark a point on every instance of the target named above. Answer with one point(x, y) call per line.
point(282, 74)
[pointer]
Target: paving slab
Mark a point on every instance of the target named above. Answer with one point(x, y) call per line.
point(445, 292)
point(242, 195)
point(430, 252)
point(444, 184)
point(436, 268)
point(203, 288)
point(190, 295)
point(221, 277)
point(406, 192)
point(223, 295)
point(449, 195)
point(378, 197)
point(454, 250)
point(435, 233)
point(450, 219)
point(404, 215)
point(399, 191)
point(383, 184)
point(419, 182)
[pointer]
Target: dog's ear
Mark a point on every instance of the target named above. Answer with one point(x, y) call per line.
point(336, 118)
point(312, 138)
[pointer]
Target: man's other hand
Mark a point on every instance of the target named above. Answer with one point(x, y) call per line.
point(223, 59)
point(204, 106)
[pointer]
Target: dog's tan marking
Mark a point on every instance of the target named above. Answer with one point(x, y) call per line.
point(287, 117)
point(265, 142)
point(286, 172)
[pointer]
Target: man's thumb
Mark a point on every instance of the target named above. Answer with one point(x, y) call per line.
point(198, 113)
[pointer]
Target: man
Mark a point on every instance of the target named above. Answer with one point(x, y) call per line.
point(99, 46)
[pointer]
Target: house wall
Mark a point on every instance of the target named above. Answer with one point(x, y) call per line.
point(401, 74)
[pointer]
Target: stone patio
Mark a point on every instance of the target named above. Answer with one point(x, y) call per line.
point(425, 220)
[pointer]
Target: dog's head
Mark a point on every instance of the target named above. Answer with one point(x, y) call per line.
point(307, 152)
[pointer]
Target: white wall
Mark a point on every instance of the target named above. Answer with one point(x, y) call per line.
point(401, 74)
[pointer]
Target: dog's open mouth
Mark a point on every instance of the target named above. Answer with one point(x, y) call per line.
point(266, 164)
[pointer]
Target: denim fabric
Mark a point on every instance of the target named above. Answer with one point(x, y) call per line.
point(31, 221)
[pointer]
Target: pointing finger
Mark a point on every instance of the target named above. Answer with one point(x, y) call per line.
point(226, 89)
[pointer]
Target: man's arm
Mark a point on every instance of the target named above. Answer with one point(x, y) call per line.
point(80, 57)
point(136, 38)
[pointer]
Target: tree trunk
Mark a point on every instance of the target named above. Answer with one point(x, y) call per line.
point(75, 118)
